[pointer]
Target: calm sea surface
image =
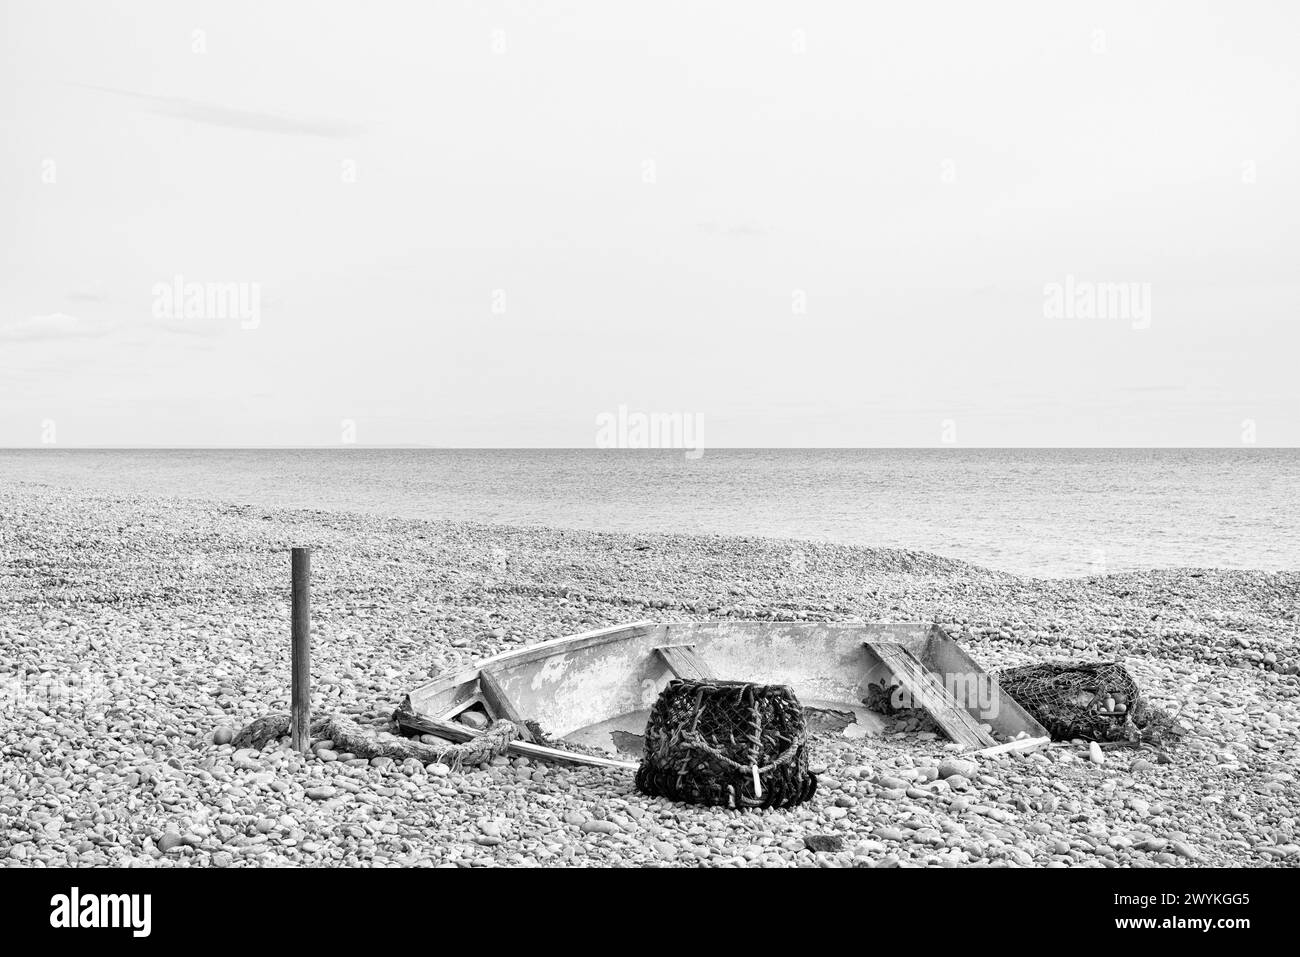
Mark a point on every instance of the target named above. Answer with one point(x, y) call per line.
point(1038, 512)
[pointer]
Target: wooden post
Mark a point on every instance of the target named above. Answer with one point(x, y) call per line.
point(300, 629)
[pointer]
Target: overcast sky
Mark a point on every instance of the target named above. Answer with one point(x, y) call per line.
point(486, 224)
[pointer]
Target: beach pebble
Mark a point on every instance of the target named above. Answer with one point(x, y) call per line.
point(823, 842)
point(954, 766)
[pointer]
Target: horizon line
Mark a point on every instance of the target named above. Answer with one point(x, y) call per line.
point(582, 448)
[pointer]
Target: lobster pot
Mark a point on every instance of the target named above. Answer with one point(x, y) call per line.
point(727, 743)
point(1097, 701)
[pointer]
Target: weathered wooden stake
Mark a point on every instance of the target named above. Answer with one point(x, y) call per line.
point(300, 563)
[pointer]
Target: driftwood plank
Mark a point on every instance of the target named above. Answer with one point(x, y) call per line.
point(925, 690)
point(684, 662)
point(453, 731)
point(1019, 746)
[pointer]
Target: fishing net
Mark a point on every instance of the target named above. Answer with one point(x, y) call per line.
point(727, 743)
point(1096, 701)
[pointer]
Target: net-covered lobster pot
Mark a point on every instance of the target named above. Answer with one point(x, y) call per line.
point(1097, 701)
point(727, 743)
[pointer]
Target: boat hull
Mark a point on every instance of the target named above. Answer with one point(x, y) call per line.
point(596, 689)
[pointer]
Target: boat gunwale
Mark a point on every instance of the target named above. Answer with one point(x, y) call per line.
point(527, 653)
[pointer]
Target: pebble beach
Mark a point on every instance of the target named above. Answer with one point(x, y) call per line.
point(137, 634)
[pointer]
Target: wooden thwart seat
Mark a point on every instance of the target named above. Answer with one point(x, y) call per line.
point(925, 690)
point(684, 662)
point(499, 705)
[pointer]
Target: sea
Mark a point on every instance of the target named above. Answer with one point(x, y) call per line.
point(1039, 512)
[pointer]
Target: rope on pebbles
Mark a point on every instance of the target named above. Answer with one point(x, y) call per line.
point(350, 737)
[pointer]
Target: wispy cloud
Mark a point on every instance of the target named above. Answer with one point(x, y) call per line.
point(56, 325)
point(214, 114)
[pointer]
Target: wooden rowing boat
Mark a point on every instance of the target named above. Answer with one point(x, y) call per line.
point(595, 689)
